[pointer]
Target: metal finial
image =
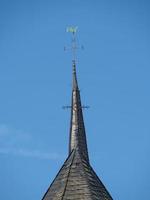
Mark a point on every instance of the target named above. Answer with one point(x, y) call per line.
point(74, 46)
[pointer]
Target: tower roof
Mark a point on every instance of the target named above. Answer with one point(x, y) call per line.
point(76, 180)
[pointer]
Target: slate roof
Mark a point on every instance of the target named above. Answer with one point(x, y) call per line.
point(76, 180)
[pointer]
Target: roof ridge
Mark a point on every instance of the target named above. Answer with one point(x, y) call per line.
point(67, 159)
point(82, 159)
point(73, 156)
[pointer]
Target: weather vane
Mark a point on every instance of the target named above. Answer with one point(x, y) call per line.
point(74, 46)
point(72, 29)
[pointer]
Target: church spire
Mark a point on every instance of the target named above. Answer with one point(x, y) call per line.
point(76, 178)
point(77, 130)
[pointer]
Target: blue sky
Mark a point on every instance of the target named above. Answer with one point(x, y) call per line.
point(35, 82)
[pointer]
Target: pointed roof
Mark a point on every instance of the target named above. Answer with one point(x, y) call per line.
point(76, 180)
point(77, 129)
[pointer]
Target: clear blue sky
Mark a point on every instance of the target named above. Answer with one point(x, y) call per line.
point(35, 82)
